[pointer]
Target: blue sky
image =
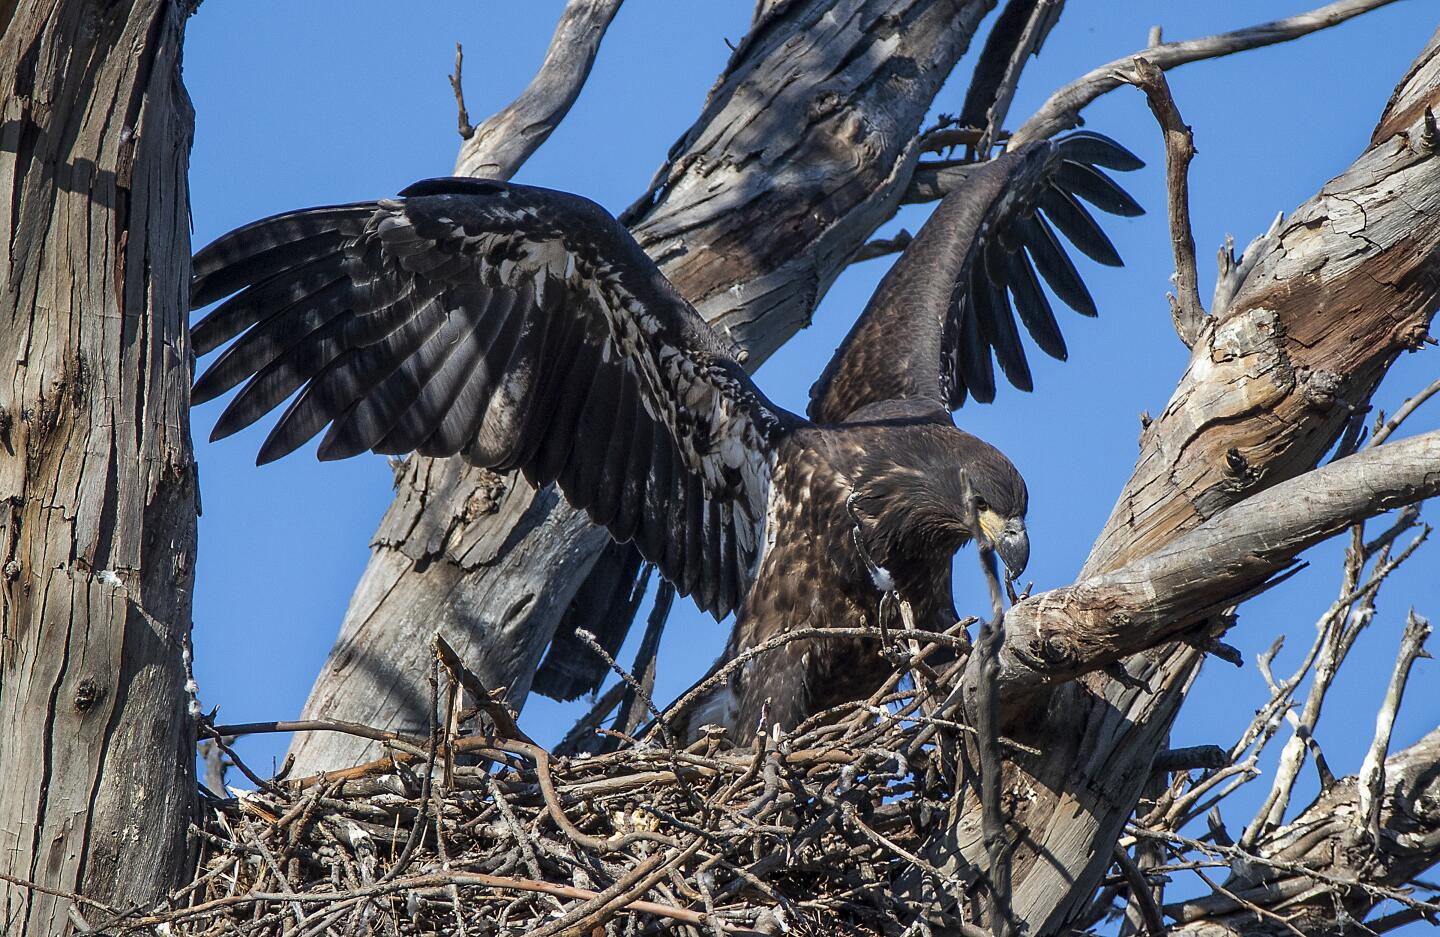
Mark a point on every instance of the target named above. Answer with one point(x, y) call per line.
point(301, 104)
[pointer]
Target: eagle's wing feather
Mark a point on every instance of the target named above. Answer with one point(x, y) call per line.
point(521, 327)
point(946, 310)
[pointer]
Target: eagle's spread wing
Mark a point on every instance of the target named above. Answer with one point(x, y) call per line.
point(943, 310)
point(521, 327)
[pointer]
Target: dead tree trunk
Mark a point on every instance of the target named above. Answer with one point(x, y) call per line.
point(1320, 309)
point(97, 482)
point(759, 208)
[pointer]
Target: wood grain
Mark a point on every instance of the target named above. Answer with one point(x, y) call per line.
point(97, 481)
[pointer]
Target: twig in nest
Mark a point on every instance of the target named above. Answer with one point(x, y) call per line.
point(486, 699)
point(582, 732)
point(467, 130)
point(1185, 308)
point(417, 832)
point(1140, 894)
point(661, 726)
point(986, 721)
point(219, 739)
point(628, 719)
point(595, 912)
point(959, 643)
point(58, 893)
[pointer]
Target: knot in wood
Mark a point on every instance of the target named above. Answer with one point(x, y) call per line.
point(1322, 388)
point(87, 694)
point(1055, 651)
point(824, 103)
point(1415, 336)
point(1237, 466)
point(1429, 133)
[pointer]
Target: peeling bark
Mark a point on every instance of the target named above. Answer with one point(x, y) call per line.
point(97, 482)
point(1349, 282)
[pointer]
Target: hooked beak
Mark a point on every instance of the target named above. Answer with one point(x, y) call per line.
point(1014, 548)
point(1009, 539)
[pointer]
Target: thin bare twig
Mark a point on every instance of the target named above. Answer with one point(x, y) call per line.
point(1338, 629)
point(1410, 405)
point(582, 733)
point(462, 117)
point(1372, 770)
point(1140, 893)
point(1185, 309)
point(1062, 109)
point(629, 717)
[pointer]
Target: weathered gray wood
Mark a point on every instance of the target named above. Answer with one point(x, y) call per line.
point(501, 144)
point(1323, 839)
point(97, 482)
point(1349, 282)
point(802, 149)
point(1062, 634)
point(450, 518)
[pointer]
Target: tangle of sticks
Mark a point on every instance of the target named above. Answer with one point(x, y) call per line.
point(478, 830)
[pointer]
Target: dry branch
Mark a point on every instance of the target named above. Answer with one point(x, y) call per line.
point(1061, 110)
point(1185, 309)
point(1336, 633)
point(501, 144)
point(1276, 381)
point(1371, 783)
point(1318, 872)
point(1062, 634)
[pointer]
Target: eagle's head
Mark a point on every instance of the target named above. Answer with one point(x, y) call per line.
point(998, 500)
point(947, 489)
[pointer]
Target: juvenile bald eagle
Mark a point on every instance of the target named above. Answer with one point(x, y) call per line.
point(525, 328)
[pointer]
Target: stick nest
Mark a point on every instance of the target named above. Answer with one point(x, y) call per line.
point(819, 831)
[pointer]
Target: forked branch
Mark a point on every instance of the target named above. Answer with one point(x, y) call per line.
point(501, 144)
point(1371, 785)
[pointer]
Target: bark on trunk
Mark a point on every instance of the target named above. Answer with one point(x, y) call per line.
point(1344, 286)
point(97, 482)
point(804, 147)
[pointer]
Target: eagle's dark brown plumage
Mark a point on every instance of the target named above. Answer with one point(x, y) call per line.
point(524, 328)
